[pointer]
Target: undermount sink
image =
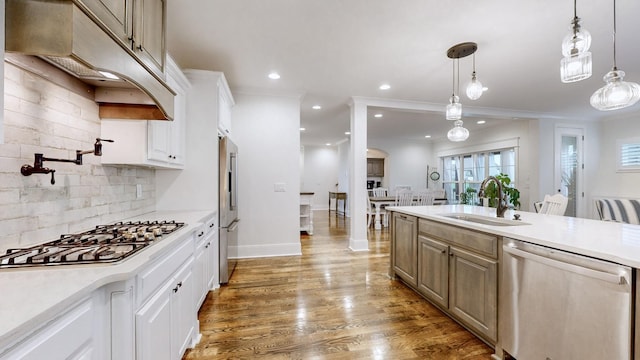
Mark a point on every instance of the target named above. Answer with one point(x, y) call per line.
point(485, 220)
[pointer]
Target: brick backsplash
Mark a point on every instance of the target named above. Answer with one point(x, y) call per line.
point(42, 117)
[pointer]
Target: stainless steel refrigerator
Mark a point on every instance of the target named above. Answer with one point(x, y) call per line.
point(228, 208)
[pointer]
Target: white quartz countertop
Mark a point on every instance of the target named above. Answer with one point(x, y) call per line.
point(616, 242)
point(29, 297)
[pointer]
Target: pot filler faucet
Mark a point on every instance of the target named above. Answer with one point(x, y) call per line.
point(37, 167)
point(502, 199)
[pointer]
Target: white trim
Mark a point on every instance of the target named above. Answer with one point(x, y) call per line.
point(358, 244)
point(491, 146)
point(270, 250)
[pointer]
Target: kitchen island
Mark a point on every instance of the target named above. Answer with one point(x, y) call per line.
point(74, 310)
point(453, 256)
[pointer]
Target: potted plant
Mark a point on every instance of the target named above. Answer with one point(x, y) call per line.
point(491, 191)
point(468, 196)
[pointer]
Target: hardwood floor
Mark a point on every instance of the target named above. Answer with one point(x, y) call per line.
point(329, 303)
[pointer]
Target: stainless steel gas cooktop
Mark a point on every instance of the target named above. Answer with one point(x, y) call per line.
point(104, 244)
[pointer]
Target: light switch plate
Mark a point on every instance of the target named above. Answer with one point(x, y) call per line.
point(279, 187)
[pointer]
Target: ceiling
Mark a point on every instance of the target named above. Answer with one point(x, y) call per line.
point(331, 50)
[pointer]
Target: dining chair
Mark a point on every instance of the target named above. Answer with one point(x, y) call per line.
point(371, 214)
point(380, 192)
point(554, 205)
point(404, 198)
point(423, 198)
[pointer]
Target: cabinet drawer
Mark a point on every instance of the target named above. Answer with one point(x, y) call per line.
point(210, 224)
point(69, 335)
point(160, 271)
point(479, 242)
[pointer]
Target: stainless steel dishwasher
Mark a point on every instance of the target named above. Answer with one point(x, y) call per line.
point(556, 305)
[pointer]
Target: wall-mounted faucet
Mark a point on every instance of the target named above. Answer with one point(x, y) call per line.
point(37, 167)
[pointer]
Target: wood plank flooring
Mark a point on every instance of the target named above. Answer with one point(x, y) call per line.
point(329, 303)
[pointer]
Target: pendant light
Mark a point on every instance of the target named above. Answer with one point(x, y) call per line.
point(474, 89)
point(458, 133)
point(576, 63)
point(616, 93)
point(454, 109)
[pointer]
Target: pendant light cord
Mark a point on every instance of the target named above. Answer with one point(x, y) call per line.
point(453, 78)
point(458, 63)
point(615, 67)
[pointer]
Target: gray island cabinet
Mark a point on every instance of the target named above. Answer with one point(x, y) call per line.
point(489, 274)
point(456, 269)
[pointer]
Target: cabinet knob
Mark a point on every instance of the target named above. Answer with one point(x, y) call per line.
point(212, 225)
point(201, 233)
point(443, 251)
point(139, 47)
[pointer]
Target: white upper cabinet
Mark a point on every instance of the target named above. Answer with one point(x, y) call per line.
point(139, 24)
point(154, 143)
point(225, 102)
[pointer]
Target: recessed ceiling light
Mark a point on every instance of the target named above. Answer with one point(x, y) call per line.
point(385, 87)
point(328, 144)
point(316, 107)
point(480, 122)
point(428, 136)
point(377, 115)
point(274, 76)
point(302, 129)
point(347, 132)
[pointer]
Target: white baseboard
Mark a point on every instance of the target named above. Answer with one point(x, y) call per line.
point(270, 250)
point(358, 244)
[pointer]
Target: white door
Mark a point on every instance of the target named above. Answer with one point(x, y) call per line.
point(569, 168)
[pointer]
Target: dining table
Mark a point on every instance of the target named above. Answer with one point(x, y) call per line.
point(379, 202)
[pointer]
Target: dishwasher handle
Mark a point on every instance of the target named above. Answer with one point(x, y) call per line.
point(619, 279)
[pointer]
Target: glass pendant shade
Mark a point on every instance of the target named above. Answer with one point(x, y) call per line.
point(575, 67)
point(576, 63)
point(454, 109)
point(474, 89)
point(458, 133)
point(616, 94)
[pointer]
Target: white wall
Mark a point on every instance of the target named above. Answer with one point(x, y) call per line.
point(406, 162)
point(320, 173)
point(605, 180)
point(267, 132)
point(42, 117)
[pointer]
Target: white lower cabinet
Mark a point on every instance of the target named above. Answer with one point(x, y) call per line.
point(153, 314)
point(165, 324)
point(72, 335)
point(206, 263)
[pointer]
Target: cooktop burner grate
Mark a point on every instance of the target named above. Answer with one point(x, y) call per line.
point(104, 244)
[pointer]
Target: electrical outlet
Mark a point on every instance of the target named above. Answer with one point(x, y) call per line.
point(138, 191)
point(279, 187)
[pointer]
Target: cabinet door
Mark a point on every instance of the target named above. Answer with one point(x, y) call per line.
point(200, 272)
point(149, 38)
point(159, 141)
point(211, 261)
point(116, 15)
point(224, 111)
point(473, 291)
point(433, 270)
point(182, 309)
point(405, 252)
point(153, 327)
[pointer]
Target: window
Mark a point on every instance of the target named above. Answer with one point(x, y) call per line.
point(629, 155)
point(467, 171)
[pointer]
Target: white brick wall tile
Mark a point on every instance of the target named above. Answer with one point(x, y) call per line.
point(9, 196)
point(41, 117)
